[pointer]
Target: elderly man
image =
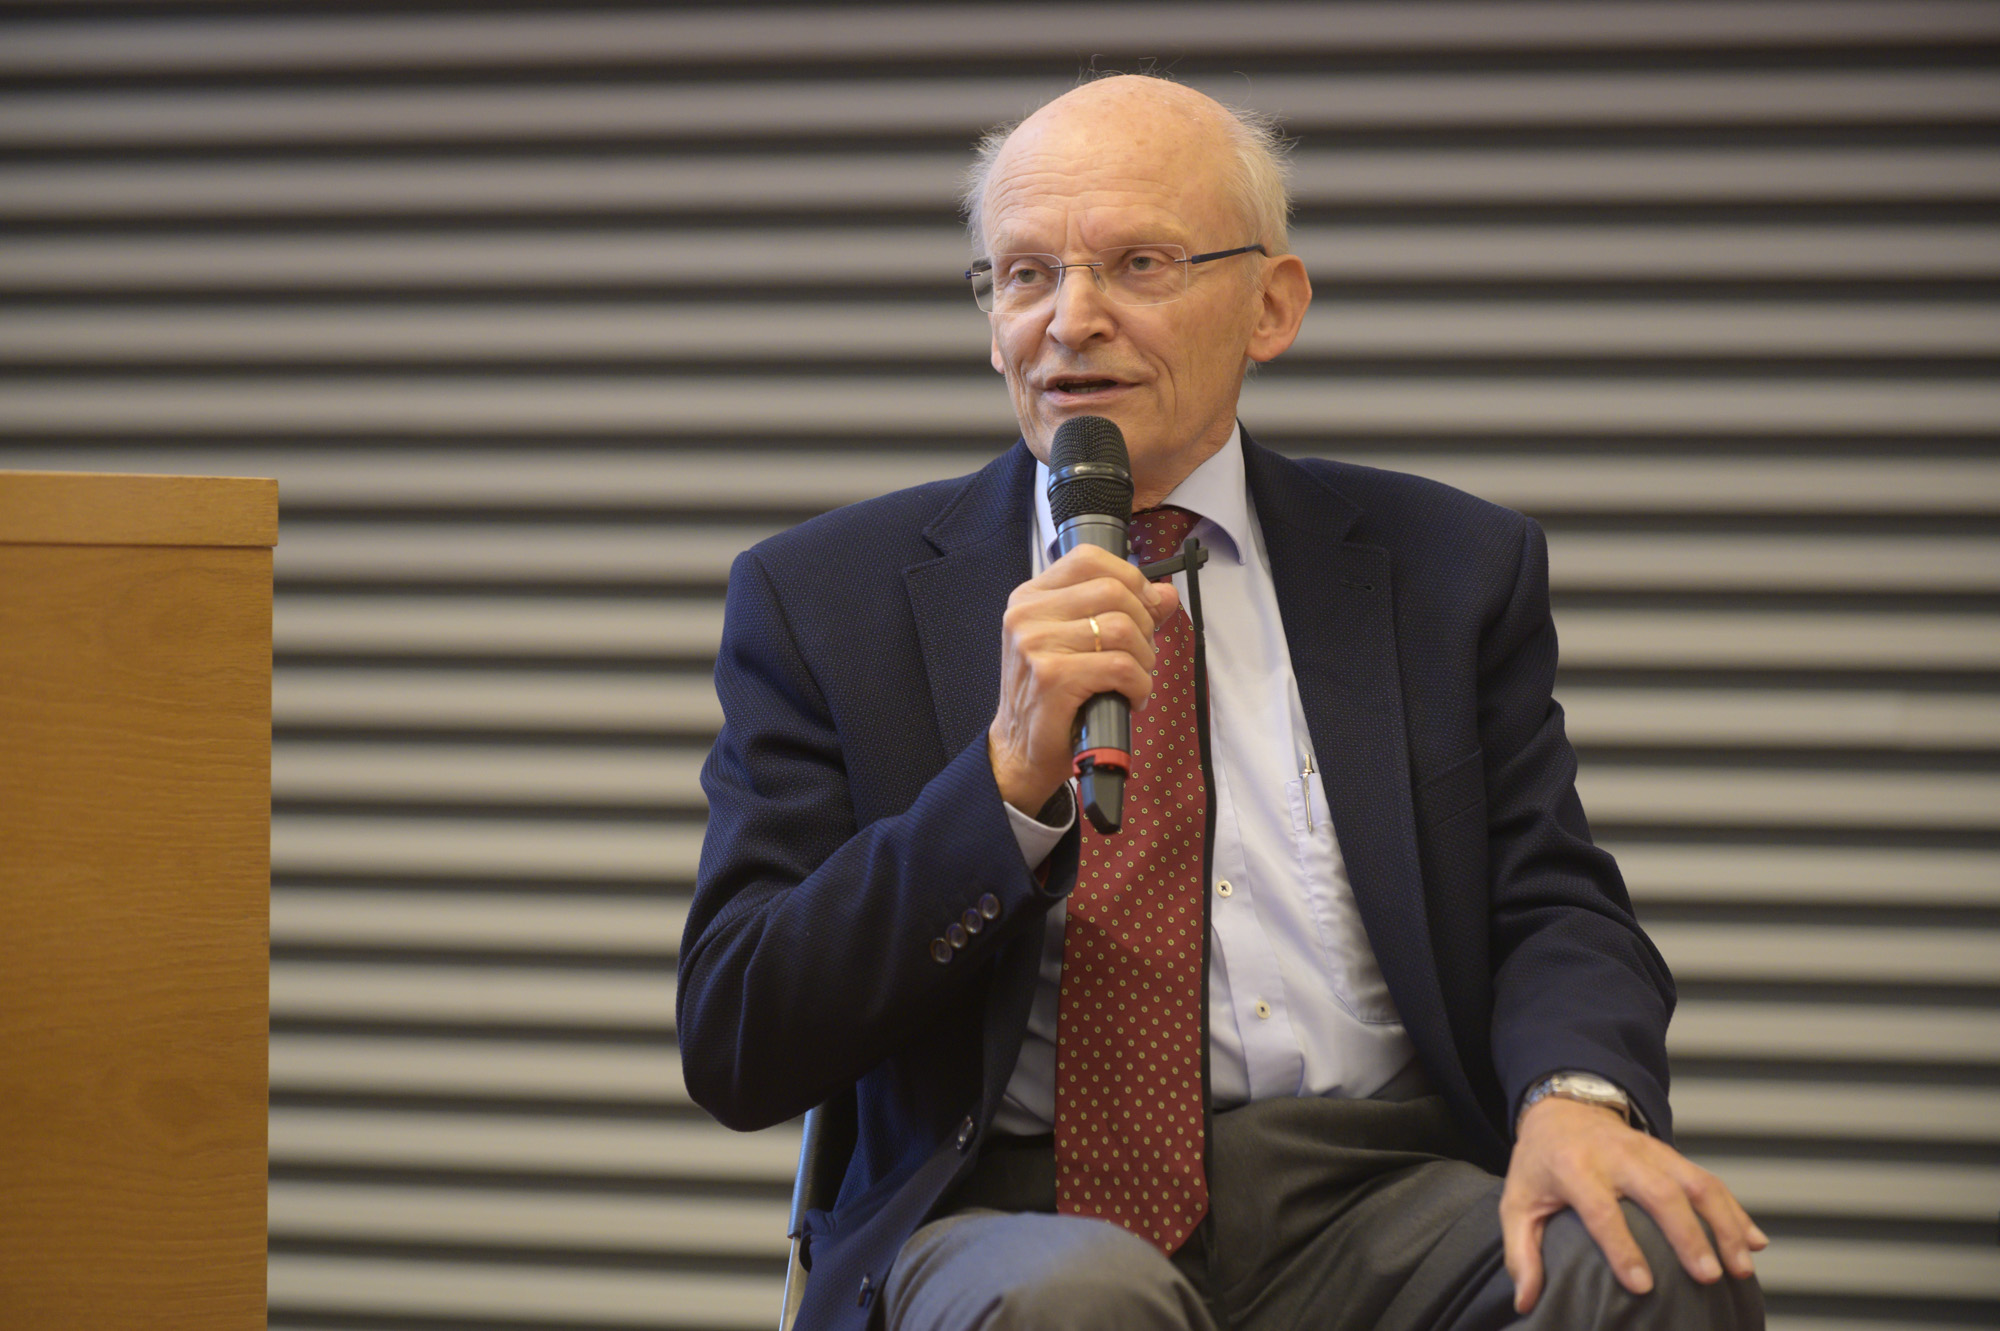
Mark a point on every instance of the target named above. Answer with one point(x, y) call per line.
point(1260, 1059)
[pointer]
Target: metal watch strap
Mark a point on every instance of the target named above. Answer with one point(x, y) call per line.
point(1584, 1087)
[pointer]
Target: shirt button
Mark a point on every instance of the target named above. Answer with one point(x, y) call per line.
point(1223, 889)
point(972, 920)
point(1263, 1010)
point(989, 906)
point(940, 951)
point(965, 1131)
point(954, 934)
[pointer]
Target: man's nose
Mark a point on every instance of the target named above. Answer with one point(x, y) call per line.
point(1082, 309)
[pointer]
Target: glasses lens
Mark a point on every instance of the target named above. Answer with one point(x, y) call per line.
point(1022, 281)
point(1129, 275)
point(1145, 274)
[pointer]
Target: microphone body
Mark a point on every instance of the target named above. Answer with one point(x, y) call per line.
point(1090, 498)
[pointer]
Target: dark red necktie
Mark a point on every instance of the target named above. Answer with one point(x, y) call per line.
point(1129, 1123)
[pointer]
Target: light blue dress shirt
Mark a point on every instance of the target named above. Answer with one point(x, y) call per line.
point(1297, 1004)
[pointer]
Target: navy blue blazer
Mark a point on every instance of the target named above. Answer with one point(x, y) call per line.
point(853, 815)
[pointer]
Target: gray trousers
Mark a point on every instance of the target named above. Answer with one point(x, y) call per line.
point(1349, 1215)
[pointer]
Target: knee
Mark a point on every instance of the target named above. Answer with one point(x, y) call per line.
point(1581, 1279)
point(1107, 1278)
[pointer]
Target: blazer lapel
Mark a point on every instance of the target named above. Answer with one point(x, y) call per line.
point(958, 598)
point(1336, 599)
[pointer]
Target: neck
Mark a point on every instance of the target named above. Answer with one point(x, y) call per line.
point(1152, 484)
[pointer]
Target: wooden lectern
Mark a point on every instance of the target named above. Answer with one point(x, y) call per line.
point(135, 815)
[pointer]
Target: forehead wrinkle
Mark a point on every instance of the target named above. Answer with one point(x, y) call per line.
point(1038, 177)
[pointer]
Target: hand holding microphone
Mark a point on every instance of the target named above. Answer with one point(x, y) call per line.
point(1055, 670)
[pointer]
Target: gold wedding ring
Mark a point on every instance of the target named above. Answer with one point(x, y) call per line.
point(1096, 638)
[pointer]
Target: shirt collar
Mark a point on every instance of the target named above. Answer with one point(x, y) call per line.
point(1215, 493)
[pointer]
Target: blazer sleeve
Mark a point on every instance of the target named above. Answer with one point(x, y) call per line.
point(811, 951)
point(1576, 982)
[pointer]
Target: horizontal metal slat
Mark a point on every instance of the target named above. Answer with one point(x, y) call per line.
point(1905, 1190)
point(1597, 714)
point(534, 113)
point(1850, 1111)
point(674, 1225)
point(1793, 1322)
point(315, 549)
point(1799, 1265)
point(218, 44)
point(1787, 561)
point(1793, 796)
point(317, 844)
point(501, 1069)
point(664, 182)
point(623, 259)
point(553, 700)
point(437, 993)
point(636, 626)
point(379, 549)
point(380, 1287)
point(584, 701)
point(380, 771)
point(566, 920)
point(559, 1144)
point(1760, 953)
point(447, 407)
point(1910, 876)
point(336, 333)
point(1591, 637)
point(703, 477)
point(1777, 639)
point(1716, 1028)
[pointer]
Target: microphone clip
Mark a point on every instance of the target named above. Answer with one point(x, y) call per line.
point(1192, 555)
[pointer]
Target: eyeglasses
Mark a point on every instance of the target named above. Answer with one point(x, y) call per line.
point(1128, 275)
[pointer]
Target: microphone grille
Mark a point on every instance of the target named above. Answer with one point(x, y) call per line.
point(1106, 485)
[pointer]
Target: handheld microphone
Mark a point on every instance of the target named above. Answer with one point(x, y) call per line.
point(1090, 498)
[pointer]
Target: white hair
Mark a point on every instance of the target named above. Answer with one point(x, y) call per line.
point(1261, 180)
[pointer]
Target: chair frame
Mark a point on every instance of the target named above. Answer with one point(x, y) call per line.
point(826, 1141)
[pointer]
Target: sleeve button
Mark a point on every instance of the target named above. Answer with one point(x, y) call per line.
point(954, 934)
point(972, 920)
point(989, 906)
point(940, 951)
point(965, 1132)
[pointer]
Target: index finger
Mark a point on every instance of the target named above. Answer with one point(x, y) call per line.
point(1087, 562)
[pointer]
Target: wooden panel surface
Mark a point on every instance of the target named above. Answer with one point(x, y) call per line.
point(73, 508)
point(134, 936)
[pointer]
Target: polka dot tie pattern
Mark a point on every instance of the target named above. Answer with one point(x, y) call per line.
point(1129, 1125)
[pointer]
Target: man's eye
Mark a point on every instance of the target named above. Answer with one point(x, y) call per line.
point(1146, 263)
point(1027, 275)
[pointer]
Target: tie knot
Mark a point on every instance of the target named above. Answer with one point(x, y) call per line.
point(1158, 533)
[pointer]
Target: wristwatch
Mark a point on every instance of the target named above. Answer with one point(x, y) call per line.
point(1587, 1087)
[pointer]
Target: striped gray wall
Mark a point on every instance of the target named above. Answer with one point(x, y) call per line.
point(539, 315)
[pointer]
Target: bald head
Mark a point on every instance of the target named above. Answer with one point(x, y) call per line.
point(1163, 125)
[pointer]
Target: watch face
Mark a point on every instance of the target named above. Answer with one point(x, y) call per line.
point(1584, 1083)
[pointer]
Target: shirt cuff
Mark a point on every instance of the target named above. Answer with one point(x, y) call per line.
point(1038, 837)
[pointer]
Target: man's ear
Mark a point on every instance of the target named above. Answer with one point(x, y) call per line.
point(1282, 307)
point(999, 366)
